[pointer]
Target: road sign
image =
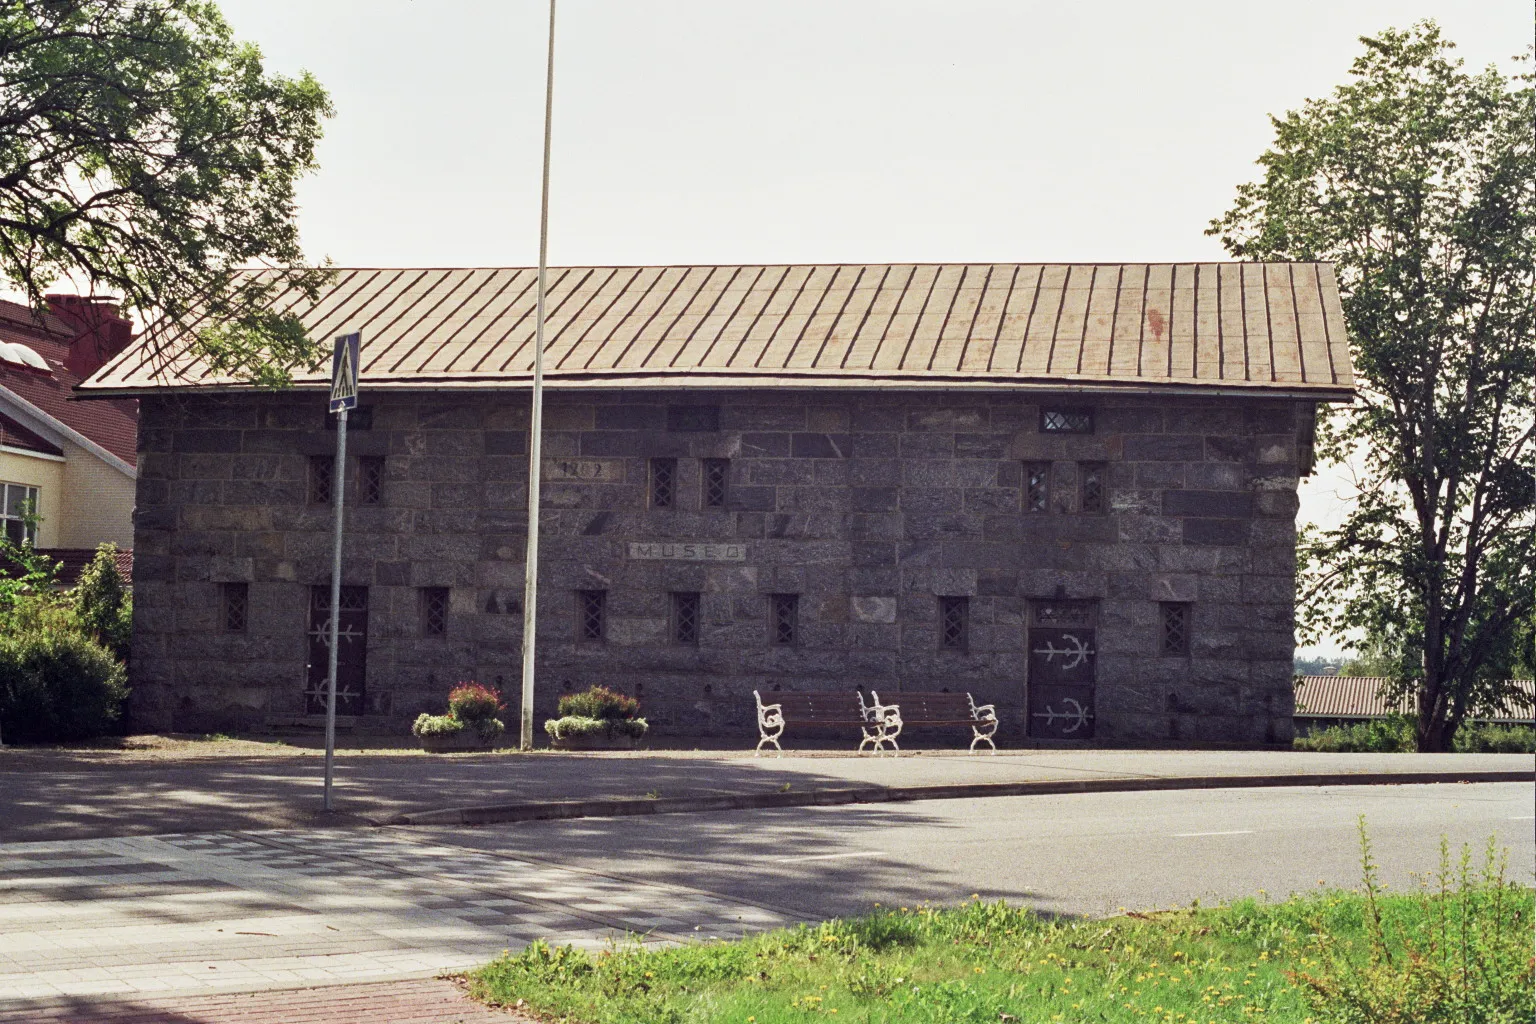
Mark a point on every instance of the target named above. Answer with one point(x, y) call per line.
point(344, 372)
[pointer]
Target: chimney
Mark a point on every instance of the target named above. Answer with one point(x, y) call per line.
point(101, 332)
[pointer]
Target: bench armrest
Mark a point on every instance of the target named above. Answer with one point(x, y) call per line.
point(985, 711)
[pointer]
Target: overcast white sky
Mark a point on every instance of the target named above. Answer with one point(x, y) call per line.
point(719, 131)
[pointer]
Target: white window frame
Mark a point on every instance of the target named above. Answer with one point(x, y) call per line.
point(7, 517)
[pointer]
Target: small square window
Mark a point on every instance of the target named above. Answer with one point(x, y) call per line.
point(237, 606)
point(783, 618)
point(954, 623)
point(434, 611)
point(591, 615)
point(1176, 627)
point(663, 482)
point(716, 482)
point(685, 619)
point(322, 468)
point(370, 479)
point(1037, 487)
point(1090, 480)
point(1066, 421)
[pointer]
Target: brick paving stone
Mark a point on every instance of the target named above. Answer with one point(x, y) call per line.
point(429, 1001)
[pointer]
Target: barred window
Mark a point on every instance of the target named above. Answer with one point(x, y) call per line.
point(1176, 627)
point(370, 479)
point(237, 606)
point(1066, 421)
point(434, 611)
point(783, 618)
point(954, 623)
point(1090, 479)
point(663, 482)
point(685, 618)
point(717, 474)
point(1037, 486)
point(322, 468)
point(591, 615)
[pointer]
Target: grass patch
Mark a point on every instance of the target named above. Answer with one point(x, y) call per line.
point(1456, 950)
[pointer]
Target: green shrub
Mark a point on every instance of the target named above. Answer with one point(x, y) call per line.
point(103, 605)
point(1391, 735)
point(57, 684)
point(471, 702)
point(598, 702)
point(448, 725)
point(578, 726)
point(1495, 739)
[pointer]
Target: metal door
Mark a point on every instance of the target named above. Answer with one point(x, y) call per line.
point(1062, 659)
point(351, 650)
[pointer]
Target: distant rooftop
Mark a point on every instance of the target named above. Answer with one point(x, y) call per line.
point(1261, 328)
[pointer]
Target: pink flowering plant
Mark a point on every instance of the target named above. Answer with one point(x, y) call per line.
point(470, 706)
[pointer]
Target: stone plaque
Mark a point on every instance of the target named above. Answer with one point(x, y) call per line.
point(596, 471)
point(688, 551)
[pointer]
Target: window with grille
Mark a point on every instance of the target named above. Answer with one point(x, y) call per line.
point(783, 618)
point(954, 622)
point(1037, 486)
point(18, 513)
point(370, 479)
point(663, 482)
point(321, 470)
point(1091, 489)
point(237, 606)
point(1066, 421)
point(434, 611)
point(1176, 627)
point(717, 474)
point(685, 618)
point(591, 615)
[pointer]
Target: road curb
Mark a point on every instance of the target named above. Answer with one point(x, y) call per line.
point(618, 807)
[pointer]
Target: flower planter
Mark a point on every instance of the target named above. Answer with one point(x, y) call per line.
point(464, 741)
point(594, 741)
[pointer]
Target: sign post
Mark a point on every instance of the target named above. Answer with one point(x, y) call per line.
point(343, 398)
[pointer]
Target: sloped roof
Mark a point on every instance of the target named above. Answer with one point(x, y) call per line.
point(112, 425)
point(1361, 697)
point(1266, 327)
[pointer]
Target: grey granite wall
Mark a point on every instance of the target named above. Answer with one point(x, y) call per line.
point(867, 504)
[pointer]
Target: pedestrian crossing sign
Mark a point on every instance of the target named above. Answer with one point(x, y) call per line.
point(344, 372)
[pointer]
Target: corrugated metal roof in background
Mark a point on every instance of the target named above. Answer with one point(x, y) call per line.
point(1276, 326)
point(1360, 697)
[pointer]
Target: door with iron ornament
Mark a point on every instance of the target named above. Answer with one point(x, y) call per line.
point(1063, 656)
point(351, 650)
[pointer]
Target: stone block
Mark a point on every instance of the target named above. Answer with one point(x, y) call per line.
point(1164, 448)
point(1208, 504)
point(819, 446)
point(1216, 531)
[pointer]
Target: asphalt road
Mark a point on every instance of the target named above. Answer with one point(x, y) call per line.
point(1078, 854)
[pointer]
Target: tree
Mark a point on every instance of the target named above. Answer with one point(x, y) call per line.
point(144, 151)
point(1416, 179)
point(103, 605)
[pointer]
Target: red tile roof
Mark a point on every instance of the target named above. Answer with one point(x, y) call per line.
point(111, 424)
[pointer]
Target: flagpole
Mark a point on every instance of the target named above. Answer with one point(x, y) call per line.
point(536, 419)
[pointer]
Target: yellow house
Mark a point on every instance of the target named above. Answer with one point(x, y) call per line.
point(67, 467)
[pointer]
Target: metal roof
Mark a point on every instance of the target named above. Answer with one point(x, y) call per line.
point(1261, 326)
point(1361, 697)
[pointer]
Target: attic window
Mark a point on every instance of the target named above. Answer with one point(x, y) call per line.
point(1066, 421)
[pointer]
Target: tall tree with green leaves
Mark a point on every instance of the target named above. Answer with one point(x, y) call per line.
point(1418, 180)
point(145, 152)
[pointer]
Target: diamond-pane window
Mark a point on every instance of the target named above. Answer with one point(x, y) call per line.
point(1176, 623)
point(1066, 421)
point(954, 622)
point(321, 470)
point(434, 611)
point(663, 482)
point(237, 607)
point(784, 618)
point(685, 618)
point(591, 615)
point(370, 479)
point(717, 474)
point(1037, 487)
point(1090, 477)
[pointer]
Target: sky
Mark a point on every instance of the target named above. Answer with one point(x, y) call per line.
point(813, 130)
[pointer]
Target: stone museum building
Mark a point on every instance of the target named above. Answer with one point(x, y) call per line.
point(1070, 490)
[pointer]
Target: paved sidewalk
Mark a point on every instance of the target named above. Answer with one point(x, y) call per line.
point(46, 796)
point(218, 912)
point(428, 1001)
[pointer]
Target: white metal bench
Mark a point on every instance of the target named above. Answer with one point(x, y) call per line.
point(825, 708)
point(917, 708)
